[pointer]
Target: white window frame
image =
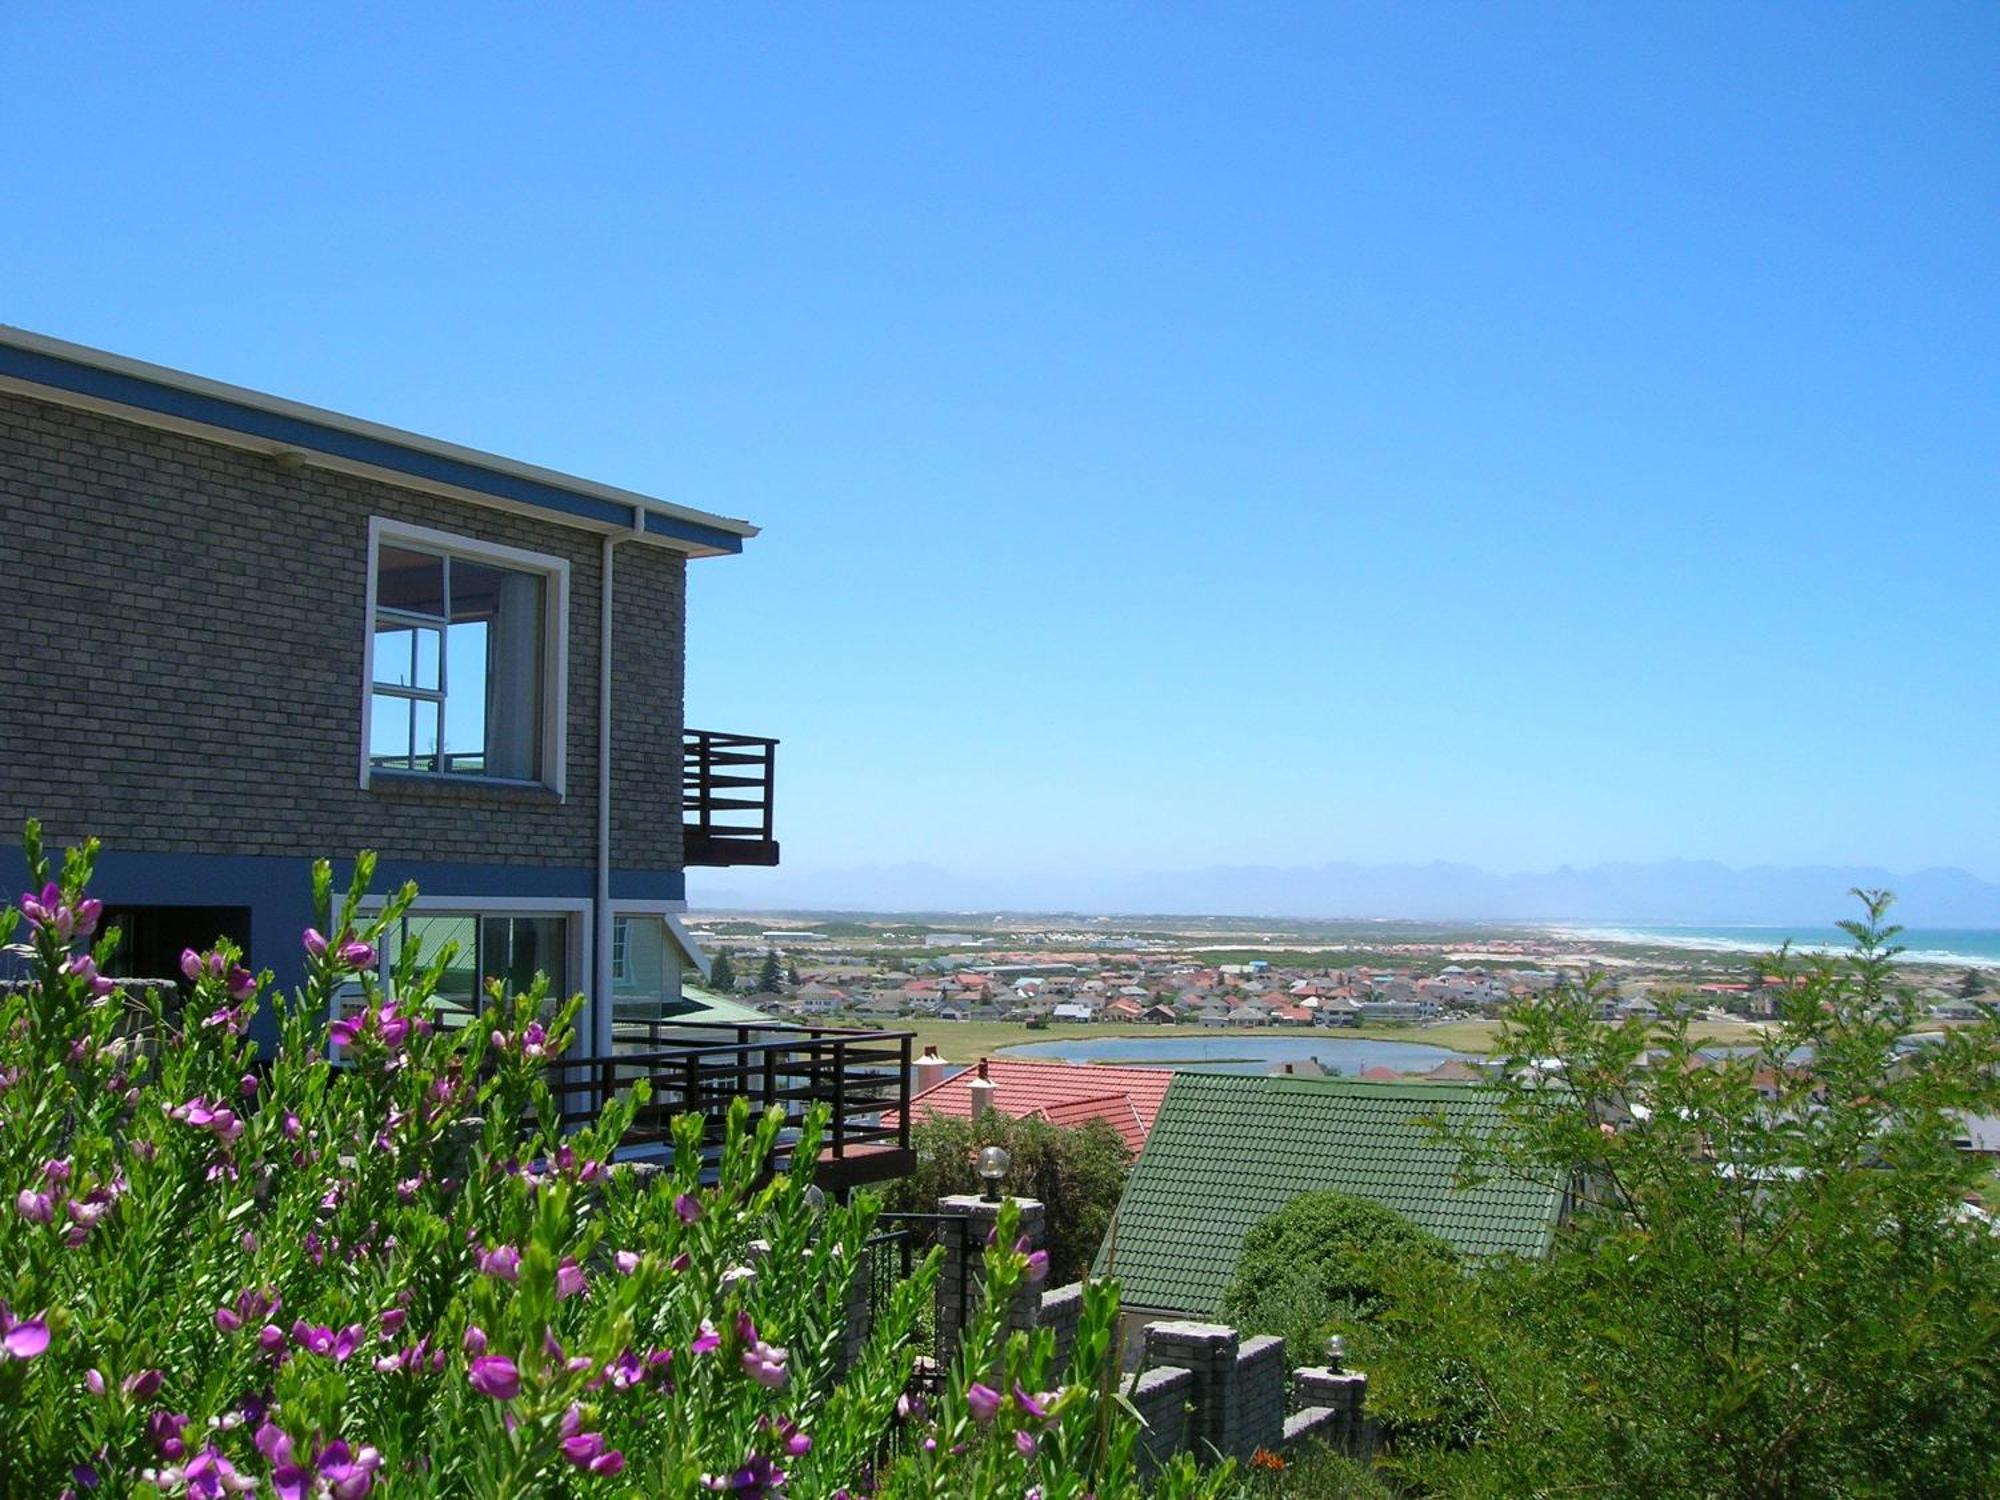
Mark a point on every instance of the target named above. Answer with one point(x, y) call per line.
point(575, 912)
point(555, 643)
point(621, 949)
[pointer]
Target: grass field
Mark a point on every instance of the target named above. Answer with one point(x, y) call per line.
point(967, 1041)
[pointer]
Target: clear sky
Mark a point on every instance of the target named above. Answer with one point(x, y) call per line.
point(1512, 434)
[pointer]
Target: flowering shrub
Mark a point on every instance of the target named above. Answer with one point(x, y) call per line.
point(398, 1274)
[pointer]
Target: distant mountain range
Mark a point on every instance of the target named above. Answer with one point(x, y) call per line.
point(1672, 891)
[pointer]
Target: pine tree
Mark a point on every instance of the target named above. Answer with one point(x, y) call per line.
point(1972, 986)
point(722, 974)
point(771, 976)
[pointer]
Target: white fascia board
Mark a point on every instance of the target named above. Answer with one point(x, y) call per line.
point(242, 396)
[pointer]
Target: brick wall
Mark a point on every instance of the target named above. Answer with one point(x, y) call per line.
point(184, 665)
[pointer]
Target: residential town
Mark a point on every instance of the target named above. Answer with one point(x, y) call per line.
point(1027, 971)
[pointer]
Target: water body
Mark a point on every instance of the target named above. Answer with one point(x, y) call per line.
point(1968, 947)
point(1242, 1054)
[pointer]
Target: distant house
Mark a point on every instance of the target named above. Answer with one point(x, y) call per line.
point(1303, 1067)
point(1066, 1094)
point(1451, 1070)
point(1072, 1011)
point(1123, 1010)
point(1230, 1149)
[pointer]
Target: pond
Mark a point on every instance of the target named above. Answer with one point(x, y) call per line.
point(1345, 1056)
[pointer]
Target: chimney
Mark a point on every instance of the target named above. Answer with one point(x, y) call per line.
point(983, 1090)
point(928, 1071)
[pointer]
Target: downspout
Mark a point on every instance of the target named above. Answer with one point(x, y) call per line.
point(600, 952)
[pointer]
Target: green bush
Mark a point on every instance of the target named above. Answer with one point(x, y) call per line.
point(1320, 1265)
point(1077, 1174)
point(1771, 1282)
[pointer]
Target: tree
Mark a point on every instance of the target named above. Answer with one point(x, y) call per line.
point(1319, 1265)
point(1972, 986)
point(1077, 1174)
point(770, 977)
point(722, 974)
point(1771, 1283)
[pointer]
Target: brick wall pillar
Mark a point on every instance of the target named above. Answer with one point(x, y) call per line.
point(1207, 1351)
point(970, 1222)
point(1343, 1394)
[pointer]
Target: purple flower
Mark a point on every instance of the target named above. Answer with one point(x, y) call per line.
point(84, 967)
point(1029, 1404)
point(475, 1339)
point(983, 1401)
point(707, 1341)
point(88, 913)
point(569, 1279)
point(687, 1206)
point(227, 1319)
point(346, 1342)
point(765, 1364)
point(143, 1386)
point(241, 983)
point(164, 1428)
point(392, 1321)
point(36, 1208)
point(627, 1261)
point(357, 955)
point(1038, 1268)
point(271, 1338)
point(315, 944)
point(503, 1262)
point(191, 964)
point(209, 1476)
point(758, 1478)
point(22, 1338)
point(495, 1375)
point(582, 1448)
point(1024, 1443)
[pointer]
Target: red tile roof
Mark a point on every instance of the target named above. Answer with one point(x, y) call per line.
point(1061, 1093)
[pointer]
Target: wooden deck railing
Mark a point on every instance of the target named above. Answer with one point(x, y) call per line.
point(699, 1067)
point(727, 787)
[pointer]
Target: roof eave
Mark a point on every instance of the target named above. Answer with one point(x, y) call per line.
point(76, 375)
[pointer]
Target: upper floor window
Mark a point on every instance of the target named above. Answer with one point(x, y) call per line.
point(465, 658)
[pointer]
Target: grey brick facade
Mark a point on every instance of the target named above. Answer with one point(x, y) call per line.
point(185, 663)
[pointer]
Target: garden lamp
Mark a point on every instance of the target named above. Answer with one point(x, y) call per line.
point(993, 1164)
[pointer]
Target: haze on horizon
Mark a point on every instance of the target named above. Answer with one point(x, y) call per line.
point(1184, 438)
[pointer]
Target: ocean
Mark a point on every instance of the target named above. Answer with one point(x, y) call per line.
point(1964, 947)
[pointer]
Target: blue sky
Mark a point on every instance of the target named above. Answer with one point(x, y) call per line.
point(1519, 435)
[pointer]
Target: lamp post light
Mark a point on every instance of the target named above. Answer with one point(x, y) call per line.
point(993, 1164)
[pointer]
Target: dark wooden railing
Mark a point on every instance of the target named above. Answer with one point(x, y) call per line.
point(698, 1067)
point(727, 782)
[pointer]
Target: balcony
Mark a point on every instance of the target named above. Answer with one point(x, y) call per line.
point(699, 1067)
point(726, 786)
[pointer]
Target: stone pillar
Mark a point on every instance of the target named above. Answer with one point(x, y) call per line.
point(1344, 1395)
point(1161, 1399)
point(1060, 1312)
point(970, 1221)
point(1207, 1351)
point(1259, 1417)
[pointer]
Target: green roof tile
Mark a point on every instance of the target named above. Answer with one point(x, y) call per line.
point(1230, 1149)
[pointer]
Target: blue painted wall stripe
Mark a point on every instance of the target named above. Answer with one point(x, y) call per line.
point(297, 432)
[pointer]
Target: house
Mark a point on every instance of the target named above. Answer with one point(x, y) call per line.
point(1230, 1149)
point(1064, 1094)
point(271, 633)
point(1072, 1011)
